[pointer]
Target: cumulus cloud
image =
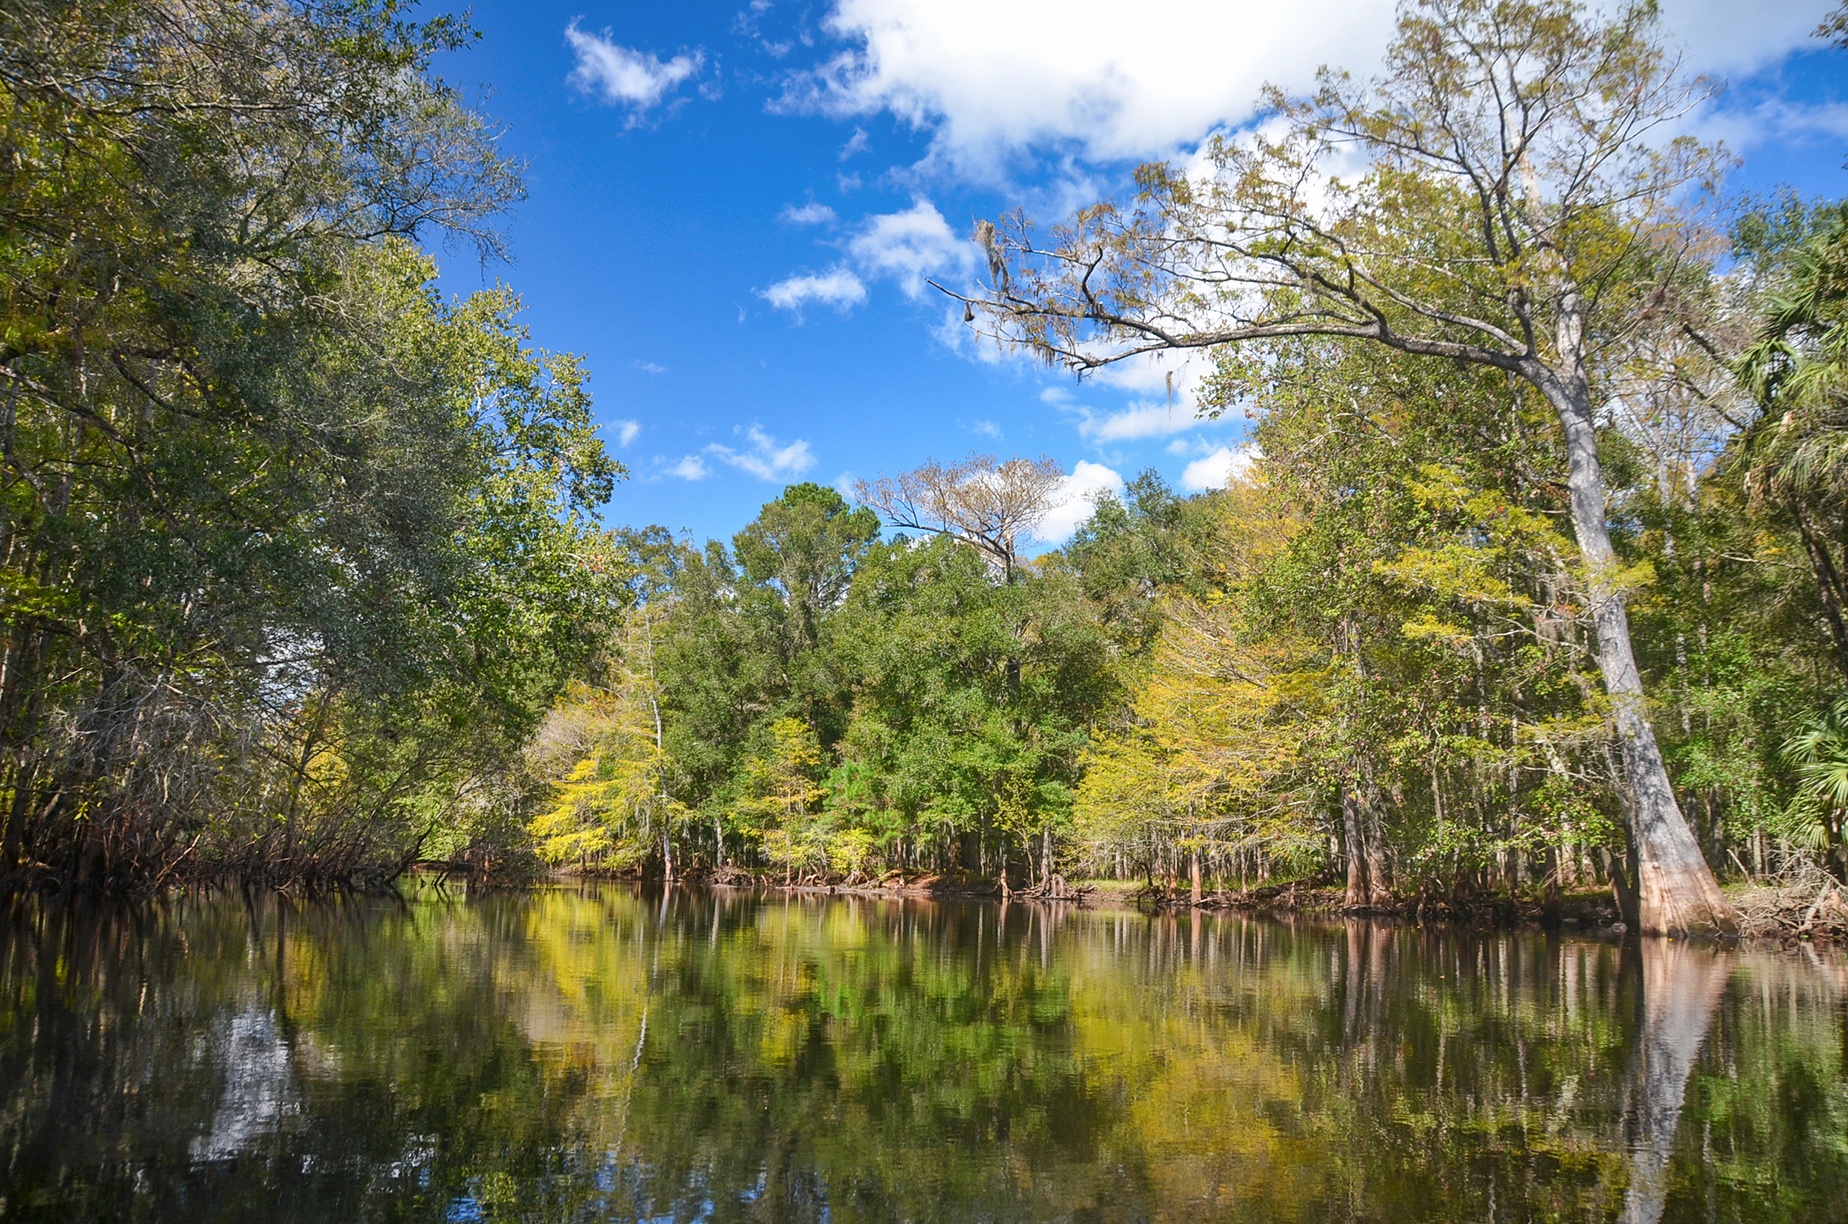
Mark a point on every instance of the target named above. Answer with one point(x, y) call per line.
point(838, 288)
point(1715, 37)
point(1077, 500)
point(1774, 118)
point(625, 77)
point(691, 467)
point(764, 457)
point(1218, 469)
point(1139, 420)
point(910, 246)
point(808, 214)
point(1163, 394)
point(990, 77)
point(1173, 376)
point(626, 431)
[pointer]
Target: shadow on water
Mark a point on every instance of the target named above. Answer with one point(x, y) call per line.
point(597, 1052)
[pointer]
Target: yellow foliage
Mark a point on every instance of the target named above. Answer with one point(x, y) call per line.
point(1210, 754)
point(610, 802)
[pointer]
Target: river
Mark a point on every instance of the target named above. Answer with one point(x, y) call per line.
point(608, 1053)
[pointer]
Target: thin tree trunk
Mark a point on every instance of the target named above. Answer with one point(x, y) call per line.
point(1828, 584)
point(1359, 891)
point(1379, 868)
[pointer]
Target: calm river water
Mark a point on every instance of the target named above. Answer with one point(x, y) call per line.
point(603, 1053)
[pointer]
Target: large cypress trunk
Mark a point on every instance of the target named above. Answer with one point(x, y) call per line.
point(1676, 891)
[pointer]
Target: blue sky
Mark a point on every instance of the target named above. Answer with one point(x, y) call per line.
point(732, 207)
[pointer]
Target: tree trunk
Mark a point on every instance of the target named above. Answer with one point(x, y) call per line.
point(1379, 868)
point(1828, 584)
point(1193, 868)
point(1359, 891)
point(1676, 891)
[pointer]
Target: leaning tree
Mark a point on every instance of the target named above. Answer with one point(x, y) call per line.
point(1502, 195)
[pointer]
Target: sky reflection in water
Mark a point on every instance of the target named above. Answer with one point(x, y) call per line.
point(598, 1053)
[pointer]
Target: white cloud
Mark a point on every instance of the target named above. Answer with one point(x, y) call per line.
point(958, 337)
point(1720, 35)
point(838, 287)
point(623, 76)
point(910, 246)
point(1055, 395)
point(991, 77)
point(808, 214)
point(988, 429)
point(649, 367)
point(1218, 469)
point(1774, 119)
point(766, 458)
point(1077, 500)
point(1139, 420)
point(1175, 376)
point(626, 431)
point(691, 467)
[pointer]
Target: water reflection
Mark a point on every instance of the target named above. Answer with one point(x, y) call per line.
point(583, 1054)
point(1682, 986)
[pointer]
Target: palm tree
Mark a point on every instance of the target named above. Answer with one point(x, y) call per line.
point(1819, 754)
point(1797, 450)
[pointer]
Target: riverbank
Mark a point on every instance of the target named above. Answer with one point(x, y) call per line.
point(1803, 907)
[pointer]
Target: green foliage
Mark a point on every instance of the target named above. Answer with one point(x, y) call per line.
point(831, 704)
point(1819, 754)
point(292, 549)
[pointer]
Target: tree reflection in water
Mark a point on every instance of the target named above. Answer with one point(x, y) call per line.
point(595, 1053)
point(1682, 986)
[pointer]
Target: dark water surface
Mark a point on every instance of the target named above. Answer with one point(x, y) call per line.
point(607, 1054)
